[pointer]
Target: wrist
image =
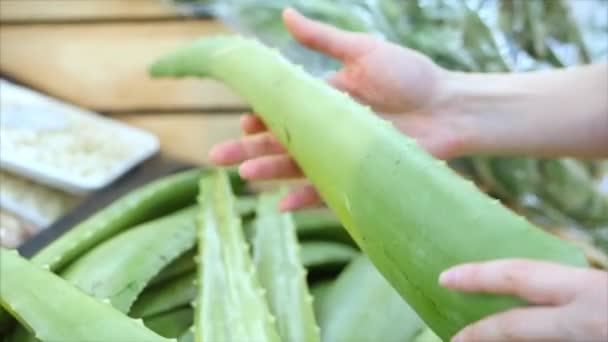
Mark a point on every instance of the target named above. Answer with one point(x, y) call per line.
point(487, 109)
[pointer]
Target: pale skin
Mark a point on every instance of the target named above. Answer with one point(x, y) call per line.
point(451, 114)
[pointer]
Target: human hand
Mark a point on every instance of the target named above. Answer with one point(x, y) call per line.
point(387, 77)
point(571, 303)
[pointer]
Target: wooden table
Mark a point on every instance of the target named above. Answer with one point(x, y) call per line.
point(94, 53)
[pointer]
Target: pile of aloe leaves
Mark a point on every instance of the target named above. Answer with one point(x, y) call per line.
point(196, 256)
point(566, 196)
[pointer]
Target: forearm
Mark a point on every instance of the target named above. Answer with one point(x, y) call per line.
point(551, 113)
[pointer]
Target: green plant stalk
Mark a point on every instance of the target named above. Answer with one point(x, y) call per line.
point(178, 292)
point(346, 316)
point(230, 304)
point(171, 324)
point(408, 211)
point(326, 253)
point(120, 268)
point(55, 310)
point(280, 271)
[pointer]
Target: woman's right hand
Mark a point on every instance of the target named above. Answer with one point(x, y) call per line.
point(401, 83)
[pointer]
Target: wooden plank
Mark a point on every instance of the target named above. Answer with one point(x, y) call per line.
point(103, 66)
point(15, 11)
point(187, 136)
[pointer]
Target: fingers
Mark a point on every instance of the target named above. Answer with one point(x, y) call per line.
point(270, 167)
point(304, 197)
point(252, 124)
point(535, 281)
point(249, 147)
point(532, 324)
point(324, 38)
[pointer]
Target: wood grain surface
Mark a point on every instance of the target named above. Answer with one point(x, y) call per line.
point(18, 11)
point(103, 66)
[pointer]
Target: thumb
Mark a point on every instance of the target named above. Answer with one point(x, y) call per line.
point(326, 39)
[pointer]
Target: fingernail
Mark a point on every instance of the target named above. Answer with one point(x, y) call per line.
point(449, 277)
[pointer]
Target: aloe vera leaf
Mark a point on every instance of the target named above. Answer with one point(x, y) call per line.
point(179, 291)
point(20, 334)
point(178, 267)
point(171, 324)
point(245, 206)
point(147, 202)
point(345, 314)
point(120, 268)
point(427, 335)
point(320, 224)
point(411, 213)
point(6, 323)
point(280, 271)
point(326, 253)
point(320, 291)
point(55, 310)
point(187, 336)
point(230, 304)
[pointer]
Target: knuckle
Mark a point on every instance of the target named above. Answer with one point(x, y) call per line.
point(516, 273)
point(266, 142)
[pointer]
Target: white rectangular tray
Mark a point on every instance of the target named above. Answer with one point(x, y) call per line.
point(64, 146)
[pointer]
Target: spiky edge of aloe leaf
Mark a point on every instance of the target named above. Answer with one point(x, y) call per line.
point(177, 292)
point(277, 259)
point(230, 304)
point(55, 310)
point(119, 269)
point(147, 202)
point(177, 268)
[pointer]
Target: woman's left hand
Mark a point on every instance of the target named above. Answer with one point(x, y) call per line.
point(571, 303)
